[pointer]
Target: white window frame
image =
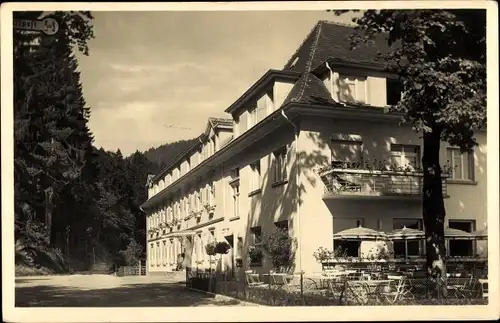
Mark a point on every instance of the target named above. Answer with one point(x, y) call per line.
point(253, 235)
point(256, 176)
point(360, 84)
point(467, 160)
point(235, 188)
point(406, 151)
point(357, 143)
point(280, 165)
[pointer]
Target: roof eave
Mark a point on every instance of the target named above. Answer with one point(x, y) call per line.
point(269, 76)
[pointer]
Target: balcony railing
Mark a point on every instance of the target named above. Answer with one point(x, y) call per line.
point(358, 182)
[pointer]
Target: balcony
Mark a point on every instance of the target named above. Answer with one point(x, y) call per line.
point(341, 182)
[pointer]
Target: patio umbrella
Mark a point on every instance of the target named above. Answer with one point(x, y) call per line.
point(359, 233)
point(450, 233)
point(406, 234)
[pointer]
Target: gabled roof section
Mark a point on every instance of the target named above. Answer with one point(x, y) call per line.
point(214, 123)
point(332, 40)
point(309, 89)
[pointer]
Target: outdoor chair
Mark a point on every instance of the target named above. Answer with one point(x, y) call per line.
point(253, 280)
point(398, 290)
point(484, 287)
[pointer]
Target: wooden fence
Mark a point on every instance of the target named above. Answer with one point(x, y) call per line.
point(139, 270)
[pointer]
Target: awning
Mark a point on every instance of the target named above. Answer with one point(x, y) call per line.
point(360, 233)
point(185, 233)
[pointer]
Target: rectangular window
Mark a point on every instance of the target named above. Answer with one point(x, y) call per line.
point(212, 193)
point(345, 151)
point(462, 164)
point(282, 225)
point(405, 156)
point(459, 247)
point(236, 199)
point(415, 247)
point(394, 89)
point(243, 124)
point(280, 159)
point(256, 235)
point(255, 176)
point(235, 174)
point(347, 247)
point(261, 110)
point(352, 89)
point(252, 116)
point(199, 242)
point(236, 126)
point(211, 235)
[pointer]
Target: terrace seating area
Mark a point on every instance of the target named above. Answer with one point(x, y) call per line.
point(364, 286)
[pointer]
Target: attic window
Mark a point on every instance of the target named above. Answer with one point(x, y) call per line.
point(294, 62)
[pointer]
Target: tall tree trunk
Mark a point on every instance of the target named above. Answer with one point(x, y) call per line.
point(49, 192)
point(433, 210)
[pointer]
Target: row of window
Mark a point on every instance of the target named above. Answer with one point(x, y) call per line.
point(181, 208)
point(414, 248)
point(166, 252)
point(204, 152)
point(462, 164)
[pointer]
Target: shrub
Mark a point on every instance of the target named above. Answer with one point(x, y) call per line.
point(255, 254)
point(279, 246)
point(132, 254)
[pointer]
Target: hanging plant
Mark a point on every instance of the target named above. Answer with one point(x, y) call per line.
point(210, 249)
point(222, 247)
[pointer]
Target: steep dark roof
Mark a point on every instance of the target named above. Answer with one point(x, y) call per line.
point(331, 40)
point(309, 89)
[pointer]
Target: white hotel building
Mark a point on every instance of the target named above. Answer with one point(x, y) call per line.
point(259, 167)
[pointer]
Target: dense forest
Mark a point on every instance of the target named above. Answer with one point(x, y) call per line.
point(75, 205)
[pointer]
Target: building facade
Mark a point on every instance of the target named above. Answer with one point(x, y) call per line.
point(312, 148)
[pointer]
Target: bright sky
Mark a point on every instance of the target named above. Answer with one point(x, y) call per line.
point(150, 70)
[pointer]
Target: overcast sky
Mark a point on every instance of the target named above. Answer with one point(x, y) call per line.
point(148, 71)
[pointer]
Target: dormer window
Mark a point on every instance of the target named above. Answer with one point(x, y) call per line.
point(352, 89)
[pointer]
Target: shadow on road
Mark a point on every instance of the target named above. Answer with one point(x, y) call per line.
point(130, 295)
